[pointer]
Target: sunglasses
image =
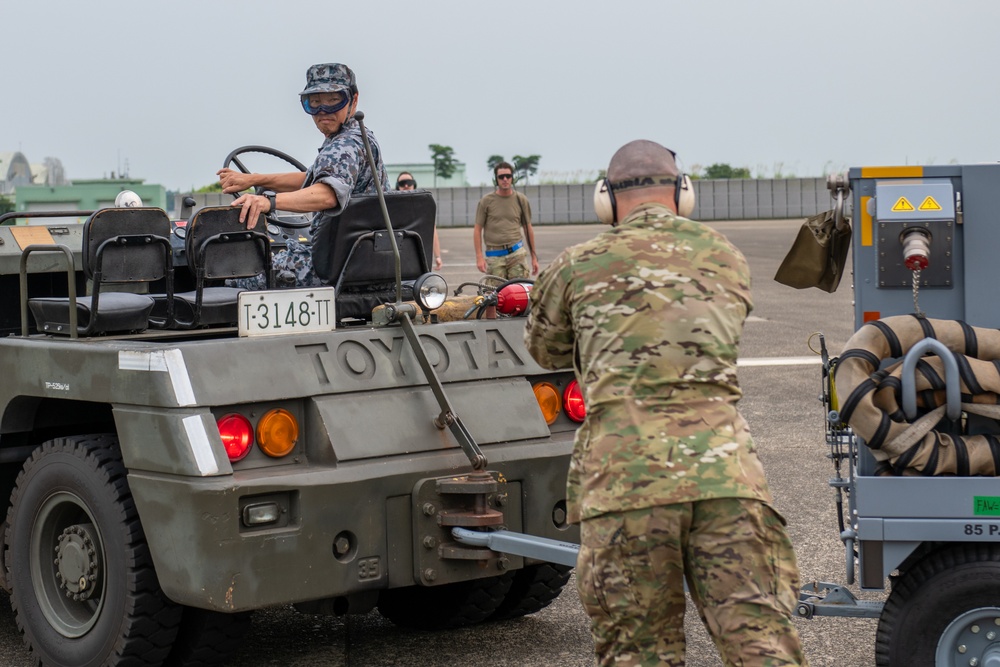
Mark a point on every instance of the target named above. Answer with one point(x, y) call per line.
point(406, 183)
point(313, 109)
point(501, 177)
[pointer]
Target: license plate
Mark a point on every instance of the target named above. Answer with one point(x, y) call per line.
point(287, 311)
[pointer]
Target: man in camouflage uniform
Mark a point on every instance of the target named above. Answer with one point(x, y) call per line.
point(664, 477)
point(340, 171)
point(499, 219)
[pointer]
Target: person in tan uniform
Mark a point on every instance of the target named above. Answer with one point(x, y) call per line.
point(500, 218)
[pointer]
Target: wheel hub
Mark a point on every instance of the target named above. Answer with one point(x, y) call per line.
point(78, 566)
point(972, 639)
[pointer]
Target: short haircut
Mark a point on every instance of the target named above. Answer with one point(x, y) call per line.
point(503, 165)
point(642, 163)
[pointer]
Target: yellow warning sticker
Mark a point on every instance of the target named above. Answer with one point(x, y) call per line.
point(29, 234)
point(902, 204)
point(930, 204)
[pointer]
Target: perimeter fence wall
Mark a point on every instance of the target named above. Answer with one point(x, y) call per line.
point(742, 199)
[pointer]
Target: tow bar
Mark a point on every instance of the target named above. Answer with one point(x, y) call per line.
point(519, 544)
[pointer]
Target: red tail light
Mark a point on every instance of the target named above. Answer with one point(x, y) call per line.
point(573, 402)
point(237, 435)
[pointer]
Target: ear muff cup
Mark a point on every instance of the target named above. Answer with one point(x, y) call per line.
point(604, 202)
point(684, 196)
point(607, 208)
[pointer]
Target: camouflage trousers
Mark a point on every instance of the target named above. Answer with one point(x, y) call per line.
point(295, 258)
point(514, 265)
point(740, 569)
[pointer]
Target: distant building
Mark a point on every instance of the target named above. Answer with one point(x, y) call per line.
point(15, 170)
point(49, 172)
point(86, 195)
point(423, 174)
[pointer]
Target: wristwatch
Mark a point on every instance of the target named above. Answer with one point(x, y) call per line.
point(271, 197)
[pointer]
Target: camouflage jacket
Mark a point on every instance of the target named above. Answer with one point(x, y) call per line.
point(649, 315)
point(343, 166)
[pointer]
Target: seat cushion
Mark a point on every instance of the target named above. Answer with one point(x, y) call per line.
point(218, 307)
point(119, 312)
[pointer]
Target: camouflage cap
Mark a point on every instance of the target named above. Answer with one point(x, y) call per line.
point(329, 78)
point(642, 163)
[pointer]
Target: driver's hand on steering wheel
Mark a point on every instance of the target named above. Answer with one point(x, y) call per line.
point(252, 207)
point(234, 181)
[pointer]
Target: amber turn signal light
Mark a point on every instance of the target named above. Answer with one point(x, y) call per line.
point(548, 400)
point(277, 433)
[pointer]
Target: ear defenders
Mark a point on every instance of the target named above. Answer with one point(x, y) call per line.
point(607, 208)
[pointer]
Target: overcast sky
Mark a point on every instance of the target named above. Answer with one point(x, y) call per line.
point(797, 86)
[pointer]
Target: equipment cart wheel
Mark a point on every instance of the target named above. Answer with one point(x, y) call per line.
point(534, 588)
point(83, 588)
point(944, 611)
point(445, 606)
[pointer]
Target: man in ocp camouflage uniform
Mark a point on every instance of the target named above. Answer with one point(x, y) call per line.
point(339, 171)
point(664, 478)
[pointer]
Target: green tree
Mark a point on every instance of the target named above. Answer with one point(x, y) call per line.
point(445, 163)
point(525, 166)
point(214, 186)
point(6, 204)
point(493, 160)
point(723, 170)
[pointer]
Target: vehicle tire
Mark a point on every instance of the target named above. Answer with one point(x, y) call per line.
point(208, 638)
point(533, 589)
point(948, 599)
point(446, 606)
point(83, 589)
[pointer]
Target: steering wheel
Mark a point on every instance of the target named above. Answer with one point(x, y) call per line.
point(234, 158)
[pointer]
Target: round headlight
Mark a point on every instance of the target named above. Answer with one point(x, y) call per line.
point(430, 290)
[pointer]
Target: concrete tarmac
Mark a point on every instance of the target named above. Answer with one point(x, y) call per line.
point(781, 381)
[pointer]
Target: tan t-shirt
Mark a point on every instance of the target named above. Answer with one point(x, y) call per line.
point(501, 217)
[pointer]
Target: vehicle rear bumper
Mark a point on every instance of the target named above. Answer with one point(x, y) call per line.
point(342, 529)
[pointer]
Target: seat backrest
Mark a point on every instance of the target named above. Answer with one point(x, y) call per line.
point(354, 248)
point(129, 262)
point(218, 245)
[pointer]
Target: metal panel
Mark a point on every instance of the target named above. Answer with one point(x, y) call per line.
point(765, 199)
point(779, 192)
point(409, 429)
point(794, 198)
point(933, 498)
point(980, 203)
point(749, 207)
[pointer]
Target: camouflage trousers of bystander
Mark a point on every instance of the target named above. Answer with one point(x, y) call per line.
point(740, 569)
point(511, 266)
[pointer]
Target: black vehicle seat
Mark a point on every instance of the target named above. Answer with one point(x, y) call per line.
point(218, 247)
point(120, 245)
point(353, 252)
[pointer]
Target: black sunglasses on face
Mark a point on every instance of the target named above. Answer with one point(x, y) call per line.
point(406, 182)
point(500, 177)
